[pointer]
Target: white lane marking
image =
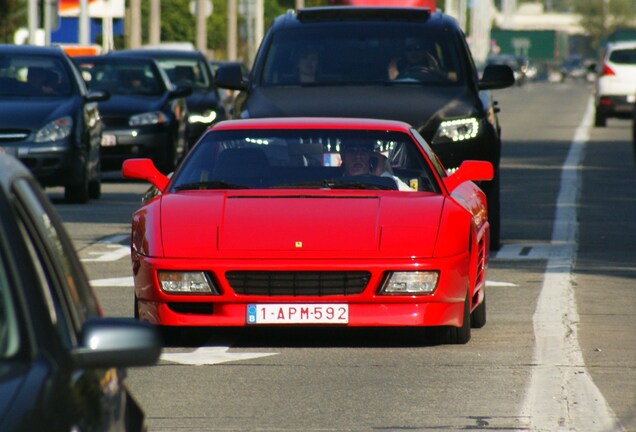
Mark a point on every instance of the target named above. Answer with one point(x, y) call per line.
point(114, 250)
point(209, 355)
point(500, 284)
point(114, 282)
point(561, 395)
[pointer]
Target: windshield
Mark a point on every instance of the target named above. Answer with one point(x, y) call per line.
point(361, 53)
point(313, 159)
point(186, 71)
point(122, 78)
point(33, 76)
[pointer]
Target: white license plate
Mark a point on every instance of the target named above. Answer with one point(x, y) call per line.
point(298, 313)
point(108, 140)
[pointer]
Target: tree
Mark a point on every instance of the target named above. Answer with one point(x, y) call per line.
point(12, 16)
point(600, 18)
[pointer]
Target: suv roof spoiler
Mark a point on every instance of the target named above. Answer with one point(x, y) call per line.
point(339, 13)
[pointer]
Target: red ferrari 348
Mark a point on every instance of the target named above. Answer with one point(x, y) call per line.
point(312, 221)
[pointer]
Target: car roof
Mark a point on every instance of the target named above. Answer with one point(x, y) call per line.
point(113, 59)
point(160, 53)
point(331, 14)
point(621, 44)
point(32, 49)
point(312, 123)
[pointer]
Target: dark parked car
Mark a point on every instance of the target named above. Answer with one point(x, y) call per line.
point(61, 362)
point(146, 115)
point(361, 59)
point(49, 120)
point(190, 67)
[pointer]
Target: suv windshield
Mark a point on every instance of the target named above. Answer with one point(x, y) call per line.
point(361, 53)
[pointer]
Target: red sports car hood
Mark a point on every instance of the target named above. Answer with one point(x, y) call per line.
point(204, 224)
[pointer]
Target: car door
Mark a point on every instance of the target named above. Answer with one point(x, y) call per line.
point(92, 399)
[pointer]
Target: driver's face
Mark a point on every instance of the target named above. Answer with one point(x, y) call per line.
point(356, 161)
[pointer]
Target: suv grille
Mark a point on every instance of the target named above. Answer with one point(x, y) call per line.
point(301, 283)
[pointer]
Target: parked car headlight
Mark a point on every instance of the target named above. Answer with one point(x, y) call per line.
point(180, 282)
point(456, 130)
point(205, 117)
point(415, 282)
point(148, 118)
point(56, 130)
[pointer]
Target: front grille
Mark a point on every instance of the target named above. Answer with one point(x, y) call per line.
point(298, 283)
point(113, 122)
point(13, 135)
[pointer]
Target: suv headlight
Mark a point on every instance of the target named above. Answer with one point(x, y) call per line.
point(457, 130)
point(410, 283)
point(54, 131)
point(183, 282)
point(148, 118)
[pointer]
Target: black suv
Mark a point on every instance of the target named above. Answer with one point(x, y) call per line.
point(365, 66)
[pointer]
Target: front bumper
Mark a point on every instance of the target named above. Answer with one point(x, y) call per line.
point(53, 164)
point(118, 145)
point(368, 308)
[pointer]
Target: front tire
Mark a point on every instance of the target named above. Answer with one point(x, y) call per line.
point(478, 317)
point(77, 193)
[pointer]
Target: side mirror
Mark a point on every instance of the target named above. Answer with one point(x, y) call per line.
point(97, 96)
point(144, 169)
point(469, 170)
point(497, 77)
point(117, 342)
point(230, 76)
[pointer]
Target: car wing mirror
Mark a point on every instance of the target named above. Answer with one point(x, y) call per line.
point(144, 169)
point(230, 76)
point(117, 342)
point(496, 77)
point(97, 96)
point(469, 171)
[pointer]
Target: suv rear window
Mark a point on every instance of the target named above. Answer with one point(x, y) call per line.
point(359, 53)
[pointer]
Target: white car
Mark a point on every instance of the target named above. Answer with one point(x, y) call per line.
point(615, 92)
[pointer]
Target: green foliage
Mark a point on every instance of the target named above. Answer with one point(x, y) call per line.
point(600, 18)
point(12, 16)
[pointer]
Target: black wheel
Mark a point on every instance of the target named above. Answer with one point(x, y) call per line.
point(77, 192)
point(95, 189)
point(461, 335)
point(478, 317)
point(136, 308)
point(599, 119)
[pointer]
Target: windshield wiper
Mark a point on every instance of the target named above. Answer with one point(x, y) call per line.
point(208, 185)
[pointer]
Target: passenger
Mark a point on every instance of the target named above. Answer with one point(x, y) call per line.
point(416, 62)
point(360, 159)
point(307, 66)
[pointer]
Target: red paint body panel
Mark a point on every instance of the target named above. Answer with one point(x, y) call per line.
point(319, 229)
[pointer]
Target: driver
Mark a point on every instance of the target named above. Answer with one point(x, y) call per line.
point(361, 159)
point(415, 61)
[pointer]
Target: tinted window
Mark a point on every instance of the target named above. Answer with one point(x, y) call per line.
point(9, 330)
point(296, 159)
point(624, 56)
point(33, 76)
point(122, 78)
point(360, 53)
point(74, 301)
point(186, 71)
